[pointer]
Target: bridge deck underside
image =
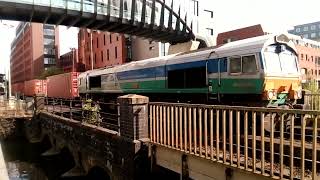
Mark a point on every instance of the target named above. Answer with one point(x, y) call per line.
point(155, 29)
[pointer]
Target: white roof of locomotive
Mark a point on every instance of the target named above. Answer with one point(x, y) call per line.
point(246, 46)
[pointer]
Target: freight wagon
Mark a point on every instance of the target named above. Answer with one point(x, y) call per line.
point(63, 86)
point(35, 87)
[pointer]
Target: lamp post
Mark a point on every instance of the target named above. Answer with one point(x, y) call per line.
point(91, 52)
point(72, 51)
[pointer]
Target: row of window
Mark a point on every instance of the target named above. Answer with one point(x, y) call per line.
point(311, 35)
point(305, 57)
point(310, 71)
point(103, 58)
point(307, 28)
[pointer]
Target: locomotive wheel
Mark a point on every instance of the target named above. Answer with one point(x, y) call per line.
point(277, 121)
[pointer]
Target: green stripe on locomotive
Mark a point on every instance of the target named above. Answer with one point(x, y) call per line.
point(237, 86)
point(156, 86)
point(228, 86)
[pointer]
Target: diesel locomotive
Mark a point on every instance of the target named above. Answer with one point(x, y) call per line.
point(261, 71)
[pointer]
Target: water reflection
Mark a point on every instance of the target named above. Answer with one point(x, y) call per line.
point(18, 170)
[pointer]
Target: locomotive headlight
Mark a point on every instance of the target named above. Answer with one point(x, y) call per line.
point(270, 94)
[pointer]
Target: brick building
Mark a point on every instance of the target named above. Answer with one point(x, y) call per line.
point(108, 49)
point(309, 57)
point(69, 62)
point(35, 48)
point(239, 34)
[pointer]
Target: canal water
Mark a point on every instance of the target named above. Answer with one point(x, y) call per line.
point(23, 161)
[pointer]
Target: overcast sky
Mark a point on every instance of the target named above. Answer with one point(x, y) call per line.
point(274, 15)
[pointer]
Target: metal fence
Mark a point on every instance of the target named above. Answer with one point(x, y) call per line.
point(312, 101)
point(104, 115)
point(273, 142)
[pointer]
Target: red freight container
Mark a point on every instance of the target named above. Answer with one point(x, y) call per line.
point(35, 86)
point(63, 85)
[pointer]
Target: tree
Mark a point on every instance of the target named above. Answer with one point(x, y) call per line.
point(50, 72)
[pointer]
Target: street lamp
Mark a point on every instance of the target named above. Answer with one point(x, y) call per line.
point(72, 51)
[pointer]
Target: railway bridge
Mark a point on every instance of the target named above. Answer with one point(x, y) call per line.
point(134, 137)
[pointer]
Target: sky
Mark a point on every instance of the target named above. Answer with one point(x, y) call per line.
point(274, 15)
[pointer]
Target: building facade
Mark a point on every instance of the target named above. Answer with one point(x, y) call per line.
point(69, 62)
point(308, 56)
point(239, 34)
point(308, 31)
point(101, 49)
point(34, 49)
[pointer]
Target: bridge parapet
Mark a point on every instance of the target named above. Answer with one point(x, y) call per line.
point(121, 151)
point(276, 143)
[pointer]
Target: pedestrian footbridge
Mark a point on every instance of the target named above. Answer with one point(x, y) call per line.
point(145, 18)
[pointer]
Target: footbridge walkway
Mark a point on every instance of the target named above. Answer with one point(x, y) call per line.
point(151, 19)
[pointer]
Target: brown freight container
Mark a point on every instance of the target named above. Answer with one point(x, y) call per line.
point(34, 87)
point(63, 85)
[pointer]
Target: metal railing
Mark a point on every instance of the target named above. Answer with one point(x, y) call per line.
point(273, 142)
point(105, 115)
point(312, 101)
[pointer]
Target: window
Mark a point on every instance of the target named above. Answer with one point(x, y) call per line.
point(302, 57)
point(235, 65)
point(48, 42)
point(307, 57)
point(104, 39)
point(110, 38)
point(249, 64)
point(95, 82)
point(102, 56)
point(195, 9)
point(306, 28)
point(313, 35)
point(108, 55)
point(48, 31)
point(95, 58)
point(210, 31)
point(244, 64)
point(298, 30)
point(311, 58)
point(306, 35)
point(209, 12)
point(313, 27)
point(49, 61)
point(117, 38)
point(97, 42)
point(116, 52)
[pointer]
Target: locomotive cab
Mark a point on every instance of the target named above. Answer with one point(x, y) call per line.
point(281, 75)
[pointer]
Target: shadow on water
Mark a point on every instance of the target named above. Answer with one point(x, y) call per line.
point(24, 161)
